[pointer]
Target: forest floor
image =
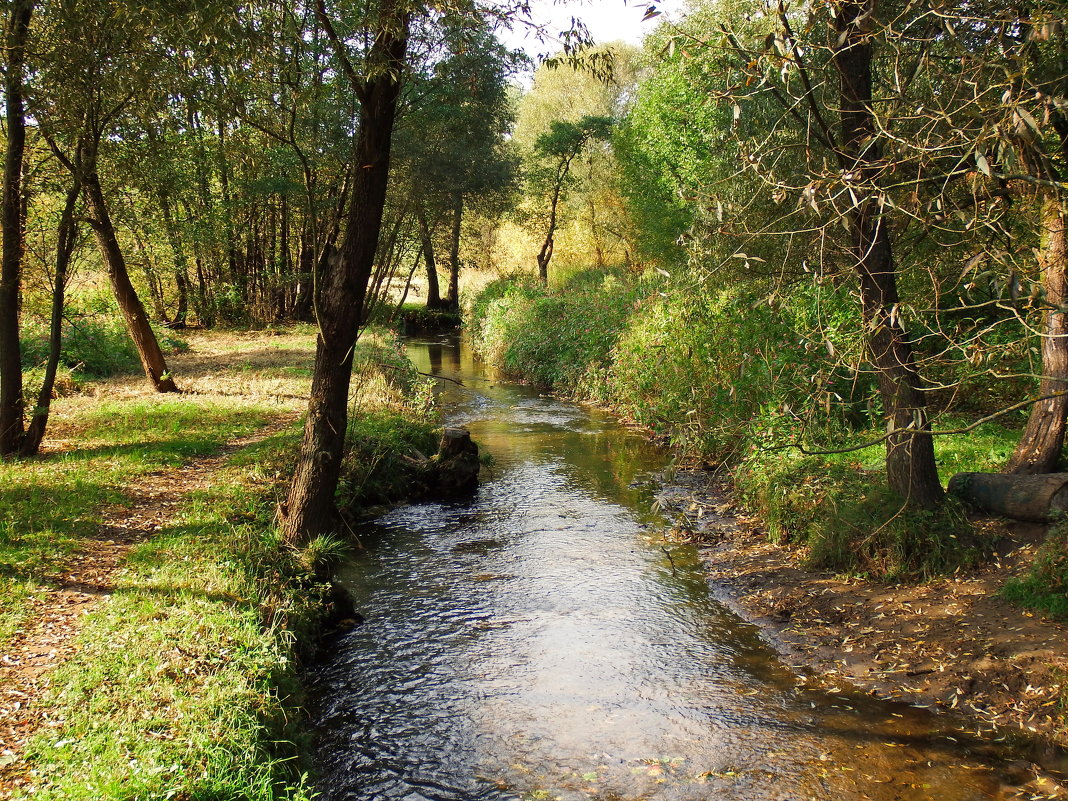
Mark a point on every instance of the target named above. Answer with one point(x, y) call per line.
point(951, 644)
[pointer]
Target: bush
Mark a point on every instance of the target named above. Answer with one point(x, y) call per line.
point(95, 340)
point(849, 518)
point(1046, 585)
point(558, 339)
point(375, 469)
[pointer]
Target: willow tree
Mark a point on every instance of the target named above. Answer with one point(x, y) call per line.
point(97, 60)
point(550, 175)
point(374, 75)
point(451, 139)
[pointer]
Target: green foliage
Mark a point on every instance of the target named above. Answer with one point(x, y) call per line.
point(554, 339)
point(378, 466)
point(712, 372)
point(1045, 586)
point(849, 519)
point(95, 340)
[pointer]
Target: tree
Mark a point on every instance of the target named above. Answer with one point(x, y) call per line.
point(16, 33)
point(99, 59)
point(341, 284)
point(451, 142)
point(556, 150)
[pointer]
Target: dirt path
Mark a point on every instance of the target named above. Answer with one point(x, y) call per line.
point(50, 634)
point(953, 643)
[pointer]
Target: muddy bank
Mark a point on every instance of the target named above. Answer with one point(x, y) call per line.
point(951, 644)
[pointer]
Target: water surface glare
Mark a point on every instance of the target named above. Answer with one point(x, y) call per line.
point(541, 641)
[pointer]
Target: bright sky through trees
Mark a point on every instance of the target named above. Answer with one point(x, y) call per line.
point(607, 21)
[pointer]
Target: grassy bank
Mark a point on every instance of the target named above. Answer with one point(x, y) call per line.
point(736, 380)
point(183, 683)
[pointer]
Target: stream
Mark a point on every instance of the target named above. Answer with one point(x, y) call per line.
point(541, 640)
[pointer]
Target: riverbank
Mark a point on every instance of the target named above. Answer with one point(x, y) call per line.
point(906, 607)
point(952, 643)
point(151, 621)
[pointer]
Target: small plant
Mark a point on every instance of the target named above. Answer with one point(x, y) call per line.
point(324, 553)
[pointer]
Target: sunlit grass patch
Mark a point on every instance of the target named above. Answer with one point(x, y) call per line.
point(184, 683)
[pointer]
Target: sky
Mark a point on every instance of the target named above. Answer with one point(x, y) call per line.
point(607, 21)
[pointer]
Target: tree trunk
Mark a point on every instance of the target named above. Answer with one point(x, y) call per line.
point(66, 239)
point(1039, 449)
point(302, 304)
point(11, 405)
point(181, 263)
point(433, 290)
point(310, 506)
point(452, 300)
point(910, 464)
point(133, 310)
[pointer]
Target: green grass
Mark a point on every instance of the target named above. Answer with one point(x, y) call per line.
point(49, 505)
point(1045, 585)
point(184, 684)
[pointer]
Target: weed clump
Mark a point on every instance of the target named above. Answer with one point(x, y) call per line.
point(95, 341)
point(1046, 584)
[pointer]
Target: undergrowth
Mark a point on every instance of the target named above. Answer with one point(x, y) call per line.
point(850, 520)
point(95, 341)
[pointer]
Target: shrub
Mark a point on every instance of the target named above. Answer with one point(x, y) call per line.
point(377, 466)
point(849, 518)
point(95, 340)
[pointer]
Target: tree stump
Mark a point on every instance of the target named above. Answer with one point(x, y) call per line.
point(1036, 498)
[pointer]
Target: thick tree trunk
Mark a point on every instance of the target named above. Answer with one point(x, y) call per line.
point(310, 506)
point(433, 290)
point(1039, 449)
point(133, 310)
point(67, 237)
point(910, 464)
point(11, 405)
point(452, 299)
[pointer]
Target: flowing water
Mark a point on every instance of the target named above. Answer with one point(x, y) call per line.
point(541, 641)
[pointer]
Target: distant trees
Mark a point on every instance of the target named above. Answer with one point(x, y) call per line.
point(549, 176)
point(452, 149)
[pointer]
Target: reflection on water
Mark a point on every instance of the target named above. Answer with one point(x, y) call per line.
point(540, 641)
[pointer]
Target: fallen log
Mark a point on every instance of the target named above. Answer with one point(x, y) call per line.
point(1037, 498)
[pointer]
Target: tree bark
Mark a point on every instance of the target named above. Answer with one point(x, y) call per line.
point(310, 506)
point(433, 290)
point(1022, 497)
point(546, 252)
point(181, 263)
point(1039, 448)
point(910, 464)
point(133, 310)
point(452, 299)
point(11, 404)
